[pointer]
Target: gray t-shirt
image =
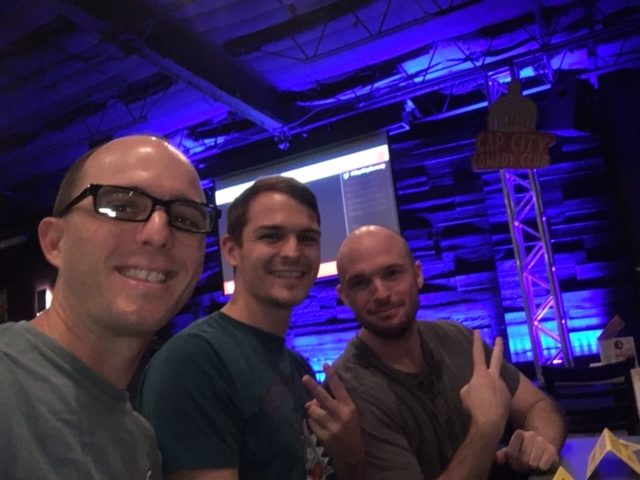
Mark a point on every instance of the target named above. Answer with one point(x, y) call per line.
point(412, 424)
point(59, 420)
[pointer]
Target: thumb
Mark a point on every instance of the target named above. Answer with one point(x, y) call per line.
point(501, 456)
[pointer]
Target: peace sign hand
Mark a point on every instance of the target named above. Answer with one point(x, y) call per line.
point(486, 396)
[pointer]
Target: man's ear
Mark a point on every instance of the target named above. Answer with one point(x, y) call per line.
point(342, 296)
point(229, 250)
point(417, 267)
point(50, 234)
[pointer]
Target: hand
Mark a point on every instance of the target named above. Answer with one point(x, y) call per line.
point(334, 419)
point(528, 451)
point(486, 396)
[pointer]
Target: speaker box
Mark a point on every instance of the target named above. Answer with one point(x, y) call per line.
point(571, 106)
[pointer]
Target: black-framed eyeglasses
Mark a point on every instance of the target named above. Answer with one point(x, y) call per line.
point(131, 205)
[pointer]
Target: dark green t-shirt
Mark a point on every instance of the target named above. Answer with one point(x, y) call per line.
point(223, 394)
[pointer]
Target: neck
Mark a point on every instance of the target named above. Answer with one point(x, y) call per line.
point(113, 358)
point(274, 320)
point(404, 353)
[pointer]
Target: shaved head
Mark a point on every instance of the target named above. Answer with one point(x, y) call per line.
point(73, 180)
point(380, 281)
point(363, 236)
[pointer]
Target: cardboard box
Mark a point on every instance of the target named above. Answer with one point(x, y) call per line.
point(612, 328)
point(617, 349)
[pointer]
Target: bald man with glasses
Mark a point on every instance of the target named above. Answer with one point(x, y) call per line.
point(127, 237)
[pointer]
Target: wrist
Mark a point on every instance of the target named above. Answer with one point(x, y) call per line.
point(353, 470)
point(486, 430)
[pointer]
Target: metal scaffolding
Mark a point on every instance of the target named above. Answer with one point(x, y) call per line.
point(541, 294)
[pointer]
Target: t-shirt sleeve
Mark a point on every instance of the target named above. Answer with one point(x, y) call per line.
point(188, 397)
point(302, 365)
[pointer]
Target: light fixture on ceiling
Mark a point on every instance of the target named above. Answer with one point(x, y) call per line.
point(409, 115)
point(283, 139)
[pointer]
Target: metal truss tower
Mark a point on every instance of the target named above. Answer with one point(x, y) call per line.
point(542, 298)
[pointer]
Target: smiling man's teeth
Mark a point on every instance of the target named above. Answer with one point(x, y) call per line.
point(146, 275)
point(287, 274)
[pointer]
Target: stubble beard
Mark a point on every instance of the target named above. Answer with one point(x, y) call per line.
point(392, 332)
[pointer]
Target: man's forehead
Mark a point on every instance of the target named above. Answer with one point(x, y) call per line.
point(277, 204)
point(286, 228)
point(142, 164)
point(372, 266)
point(357, 260)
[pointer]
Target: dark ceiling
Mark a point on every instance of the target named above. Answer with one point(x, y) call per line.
point(215, 75)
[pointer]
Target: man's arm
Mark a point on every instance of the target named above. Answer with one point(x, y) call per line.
point(335, 421)
point(541, 430)
point(217, 474)
point(486, 398)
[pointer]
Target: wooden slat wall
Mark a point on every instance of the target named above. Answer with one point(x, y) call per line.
point(455, 222)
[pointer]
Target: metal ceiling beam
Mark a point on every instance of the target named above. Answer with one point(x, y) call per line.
point(185, 56)
point(627, 31)
point(23, 20)
point(297, 24)
point(322, 16)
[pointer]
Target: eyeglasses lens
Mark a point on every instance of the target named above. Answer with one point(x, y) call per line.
point(188, 216)
point(123, 204)
point(129, 205)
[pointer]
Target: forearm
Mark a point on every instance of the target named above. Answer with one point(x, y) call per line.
point(473, 459)
point(546, 420)
point(350, 464)
point(350, 471)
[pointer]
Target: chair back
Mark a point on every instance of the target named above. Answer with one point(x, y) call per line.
point(595, 397)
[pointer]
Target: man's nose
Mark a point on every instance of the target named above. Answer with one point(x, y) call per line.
point(291, 247)
point(156, 231)
point(380, 289)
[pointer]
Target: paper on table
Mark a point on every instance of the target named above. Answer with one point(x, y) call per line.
point(608, 442)
point(631, 445)
point(562, 474)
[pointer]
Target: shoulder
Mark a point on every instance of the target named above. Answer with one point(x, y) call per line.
point(447, 346)
point(445, 334)
point(10, 334)
point(186, 360)
point(198, 339)
point(444, 328)
point(19, 361)
point(301, 364)
point(444, 337)
point(349, 364)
